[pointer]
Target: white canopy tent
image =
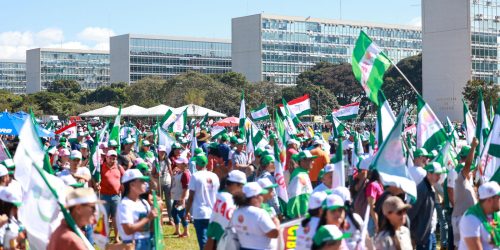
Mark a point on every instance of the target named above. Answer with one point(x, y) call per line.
point(134, 111)
point(106, 111)
point(158, 111)
point(198, 111)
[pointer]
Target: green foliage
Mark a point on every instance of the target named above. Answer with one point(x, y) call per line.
point(110, 95)
point(147, 92)
point(66, 87)
point(491, 93)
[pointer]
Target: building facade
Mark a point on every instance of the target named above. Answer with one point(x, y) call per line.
point(136, 56)
point(278, 48)
point(461, 42)
point(13, 76)
point(90, 68)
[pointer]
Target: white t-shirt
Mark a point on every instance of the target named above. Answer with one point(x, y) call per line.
point(417, 173)
point(205, 184)
point(352, 241)
point(452, 177)
point(305, 234)
point(251, 224)
point(471, 226)
point(130, 212)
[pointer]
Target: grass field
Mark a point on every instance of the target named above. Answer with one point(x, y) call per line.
point(173, 242)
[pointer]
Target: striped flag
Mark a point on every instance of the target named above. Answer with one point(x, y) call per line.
point(179, 124)
point(299, 106)
point(490, 156)
point(369, 64)
point(115, 131)
point(483, 125)
point(430, 131)
point(167, 119)
point(217, 131)
point(260, 113)
point(70, 128)
point(279, 173)
point(347, 112)
point(385, 118)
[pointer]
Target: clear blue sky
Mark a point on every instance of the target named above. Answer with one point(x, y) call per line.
point(75, 24)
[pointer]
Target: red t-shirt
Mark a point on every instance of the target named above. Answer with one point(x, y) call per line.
point(110, 179)
point(185, 177)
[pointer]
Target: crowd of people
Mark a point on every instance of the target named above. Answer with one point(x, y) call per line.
point(231, 197)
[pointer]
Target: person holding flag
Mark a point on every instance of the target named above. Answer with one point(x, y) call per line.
point(300, 187)
point(81, 203)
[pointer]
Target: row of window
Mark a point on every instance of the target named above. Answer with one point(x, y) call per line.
point(74, 56)
point(178, 69)
point(172, 52)
point(161, 43)
point(180, 61)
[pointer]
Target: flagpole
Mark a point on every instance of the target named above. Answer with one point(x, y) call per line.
point(403, 75)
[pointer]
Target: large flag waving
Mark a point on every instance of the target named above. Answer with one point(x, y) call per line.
point(483, 125)
point(167, 119)
point(369, 64)
point(289, 114)
point(115, 131)
point(260, 113)
point(470, 126)
point(430, 131)
point(299, 106)
point(347, 112)
point(40, 211)
point(179, 124)
point(385, 118)
point(490, 156)
point(390, 161)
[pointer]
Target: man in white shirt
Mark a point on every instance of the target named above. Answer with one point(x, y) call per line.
point(420, 159)
point(479, 227)
point(203, 187)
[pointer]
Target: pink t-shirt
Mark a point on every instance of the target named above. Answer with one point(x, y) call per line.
point(374, 190)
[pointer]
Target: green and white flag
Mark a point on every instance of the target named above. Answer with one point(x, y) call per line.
point(369, 64)
point(347, 112)
point(299, 106)
point(357, 151)
point(279, 151)
point(115, 131)
point(430, 131)
point(470, 125)
point(289, 114)
point(390, 161)
point(338, 179)
point(242, 116)
point(165, 139)
point(338, 127)
point(217, 131)
point(167, 119)
point(258, 136)
point(260, 113)
point(447, 156)
point(95, 157)
point(451, 131)
point(179, 124)
point(42, 204)
point(299, 190)
point(385, 118)
point(490, 156)
point(483, 125)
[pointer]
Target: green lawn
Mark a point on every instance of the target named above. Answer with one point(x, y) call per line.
point(172, 242)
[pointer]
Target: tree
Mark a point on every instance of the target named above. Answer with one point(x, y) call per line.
point(66, 87)
point(395, 87)
point(233, 79)
point(9, 101)
point(147, 92)
point(112, 95)
point(491, 93)
point(194, 96)
point(53, 103)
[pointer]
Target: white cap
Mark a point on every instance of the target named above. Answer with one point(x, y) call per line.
point(237, 176)
point(83, 172)
point(252, 189)
point(329, 168)
point(84, 145)
point(316, 199)
point(488, 189)
point(266, 183)
point(334, 201)
point(162, 148)
point(3, 170)
point(12, 194)
point(133, 174)
point(343, 192)
point(64, 152)
point(75, 154)
point(111, 152)
point(80, 196)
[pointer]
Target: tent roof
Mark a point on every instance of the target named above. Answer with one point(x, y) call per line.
point(198, 111)
point(106, 111)
point(134, 110)
point(159, 110)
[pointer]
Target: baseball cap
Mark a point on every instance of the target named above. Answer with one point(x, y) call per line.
point(464, 151)
point(162, 148)
point(316, 199)
point(421, 152)
point(233, 139)
point(333, 202)
point(201, 160)
point(176, 145)
point(64, 152)
point(81, 133)
point(143, 167)
point(84, 145)
point(293, 141)
point(237, 176)
point(83, 172)
point(252, 189)
point(266, 159)
point(343, 192)
point(434, 168)
point(127, 140)
point(181, 160)
point(394, 204)
point(9, 163)
point(132, 174)
point(81, 196)
point(266, 183)
point(111, 152)
point(11, 194)
point(240, 141)
point(329, 233)
point(75, 154)
point(213, 145)
point(145, 143)
point(488, 189)
point(198, 151)
point(3, 170)
point(306, 154)
point(112, 143)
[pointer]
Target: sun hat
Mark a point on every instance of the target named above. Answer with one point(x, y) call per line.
point(488, 189)
point(133, 174)
point(252, 189)
point(394, 204)
point(80, 196)
point(237, 176)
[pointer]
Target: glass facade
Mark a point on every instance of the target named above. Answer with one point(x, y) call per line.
point(89, 69)
point(289, 47)
point(13, 76)
point(485, 39)
point(168, 58)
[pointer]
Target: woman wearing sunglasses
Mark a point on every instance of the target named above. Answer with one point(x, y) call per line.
point(393, 234)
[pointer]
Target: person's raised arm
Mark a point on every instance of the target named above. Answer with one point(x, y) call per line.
point(470, 157)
